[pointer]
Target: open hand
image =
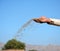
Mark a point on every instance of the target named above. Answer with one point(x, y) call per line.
point(42, 19)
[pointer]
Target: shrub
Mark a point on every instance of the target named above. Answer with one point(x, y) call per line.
point(14, 44)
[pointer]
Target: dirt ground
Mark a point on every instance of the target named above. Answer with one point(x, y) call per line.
point(12, 50)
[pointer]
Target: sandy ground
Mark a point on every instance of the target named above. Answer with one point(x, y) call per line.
point(11, 50)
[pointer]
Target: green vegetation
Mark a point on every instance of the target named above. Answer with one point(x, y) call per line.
point(32, 50)
point(14, 44)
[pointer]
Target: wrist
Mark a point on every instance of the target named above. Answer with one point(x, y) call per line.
point(51, 22)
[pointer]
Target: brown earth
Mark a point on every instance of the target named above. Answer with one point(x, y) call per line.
point(11, 50)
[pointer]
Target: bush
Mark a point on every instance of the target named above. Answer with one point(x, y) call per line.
point(32, 50)
point(14, 44)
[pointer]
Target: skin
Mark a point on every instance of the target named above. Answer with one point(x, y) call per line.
point(42, 19)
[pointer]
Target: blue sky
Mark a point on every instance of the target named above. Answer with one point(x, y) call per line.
point(14, 13)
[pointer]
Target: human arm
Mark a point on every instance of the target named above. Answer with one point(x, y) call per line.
point(50, 21)
point(54, 22)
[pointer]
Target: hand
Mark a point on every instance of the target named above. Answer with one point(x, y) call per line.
point(36, 20)
point(42, 19)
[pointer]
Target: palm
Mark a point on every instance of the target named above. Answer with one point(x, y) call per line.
point(43, 19)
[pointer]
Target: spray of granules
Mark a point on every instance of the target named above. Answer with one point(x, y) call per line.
point(22, 28)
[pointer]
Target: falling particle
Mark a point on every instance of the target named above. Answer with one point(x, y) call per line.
point(23, 28)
